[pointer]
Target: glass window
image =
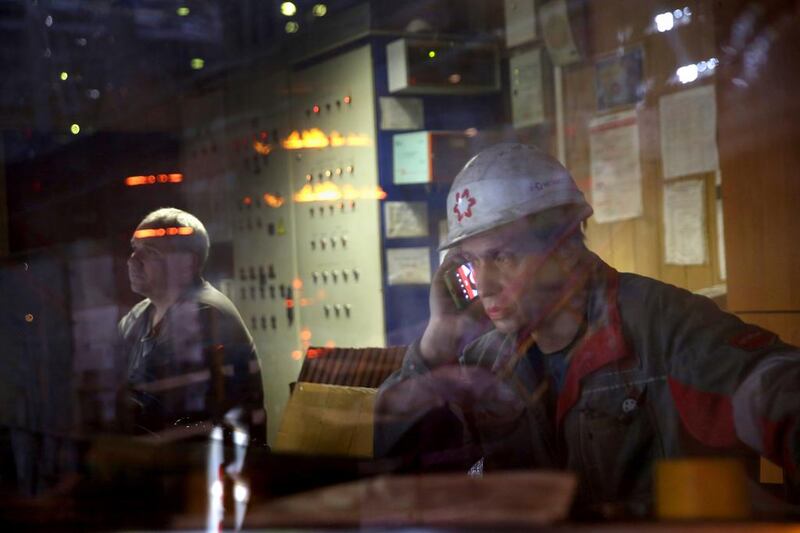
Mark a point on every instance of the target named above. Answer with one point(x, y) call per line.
point(251, 249)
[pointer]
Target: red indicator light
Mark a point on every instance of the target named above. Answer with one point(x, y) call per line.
point(347, 99)
point(247, 200)
point(315, 109)
point(314, 353)
point(263, 135)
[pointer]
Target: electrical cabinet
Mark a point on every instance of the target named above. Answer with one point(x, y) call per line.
point(264, 254)
point(334, 175)
point(306, 238)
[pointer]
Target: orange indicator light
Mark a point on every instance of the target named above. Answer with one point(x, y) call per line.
point(149, 233)
point(329, 191)
point(316, 138)
point(133, 181)
point(262, 147)
point(273, 200)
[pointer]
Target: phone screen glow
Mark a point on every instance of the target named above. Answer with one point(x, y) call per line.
point(466, 281)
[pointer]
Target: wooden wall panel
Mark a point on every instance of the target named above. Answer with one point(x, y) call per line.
point(759, 135)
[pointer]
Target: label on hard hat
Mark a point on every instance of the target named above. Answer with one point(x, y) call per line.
point(463, 205)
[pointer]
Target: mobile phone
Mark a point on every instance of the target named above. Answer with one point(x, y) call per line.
point(460, 282)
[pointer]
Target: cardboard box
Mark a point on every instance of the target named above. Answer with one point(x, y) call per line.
point(325, 419)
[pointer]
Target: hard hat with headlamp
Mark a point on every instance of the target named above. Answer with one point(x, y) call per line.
point(504, 183)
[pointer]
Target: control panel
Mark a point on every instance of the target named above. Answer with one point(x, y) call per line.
point(334, 176)
point(306, 233)
point(265, 282)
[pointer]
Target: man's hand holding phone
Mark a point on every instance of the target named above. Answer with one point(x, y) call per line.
point(452, 325)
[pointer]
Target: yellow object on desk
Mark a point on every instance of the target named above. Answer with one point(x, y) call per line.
point(323, 419)
point(707, 488)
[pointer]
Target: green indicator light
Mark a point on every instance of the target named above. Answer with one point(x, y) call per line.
point(288, 9)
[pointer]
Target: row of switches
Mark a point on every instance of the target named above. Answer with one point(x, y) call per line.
point(334, 275)
point(324, 243)
point(337, 310)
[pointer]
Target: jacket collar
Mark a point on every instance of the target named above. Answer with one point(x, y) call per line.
point(603, 342)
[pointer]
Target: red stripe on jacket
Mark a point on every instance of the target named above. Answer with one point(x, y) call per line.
point(707, 416)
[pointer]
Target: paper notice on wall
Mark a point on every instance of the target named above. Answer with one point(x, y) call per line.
point(527, 100)
point(401, 113)
point(520, 18)
point(557, 33)
point(689, 132)
point(405, 219)
point(616, 170)
point(411, 158)
point(408, 266)
point(685, 238)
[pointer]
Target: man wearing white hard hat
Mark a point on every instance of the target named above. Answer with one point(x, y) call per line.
point(563, 362)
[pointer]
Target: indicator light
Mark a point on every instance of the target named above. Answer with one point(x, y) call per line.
point(288, 9)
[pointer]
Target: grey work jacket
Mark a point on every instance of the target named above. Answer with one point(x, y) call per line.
point(659, 373)
point(201, 366)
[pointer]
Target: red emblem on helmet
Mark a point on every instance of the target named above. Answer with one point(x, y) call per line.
point(461, 199)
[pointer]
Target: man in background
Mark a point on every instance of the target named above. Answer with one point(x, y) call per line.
point(190, 360)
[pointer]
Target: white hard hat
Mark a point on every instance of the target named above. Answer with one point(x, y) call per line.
point(506, 182)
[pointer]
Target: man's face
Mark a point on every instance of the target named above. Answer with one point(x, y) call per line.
point(520, 277)
point(155, 267)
